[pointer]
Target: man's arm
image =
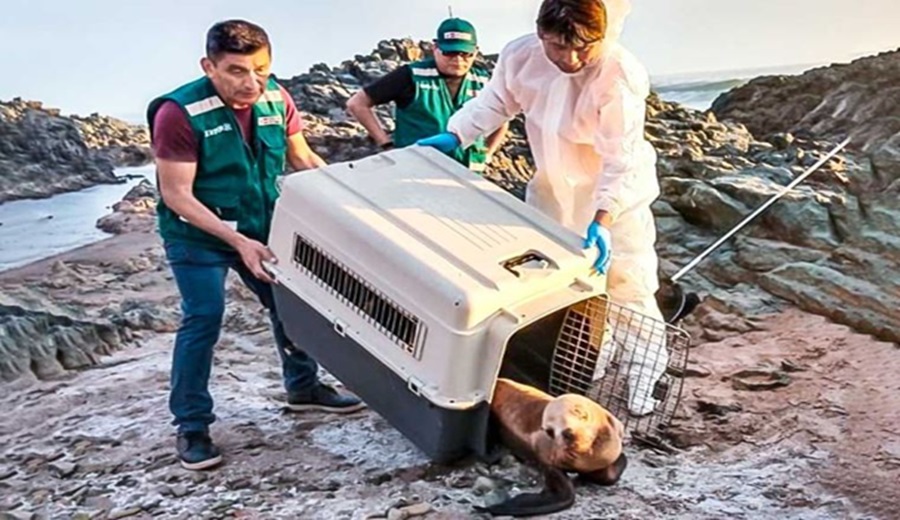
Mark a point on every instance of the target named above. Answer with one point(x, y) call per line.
point(176, 183)
point(496, 140)
point(300, 156)
point(396, 86)
point(629, 161)
point(360, 106)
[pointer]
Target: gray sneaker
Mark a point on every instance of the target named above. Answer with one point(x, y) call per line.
point(323, 398)
point(197, 451)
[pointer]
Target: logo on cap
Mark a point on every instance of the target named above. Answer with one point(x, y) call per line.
point(456, 35)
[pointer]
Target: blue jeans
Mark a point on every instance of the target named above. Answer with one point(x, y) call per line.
point(200, 275)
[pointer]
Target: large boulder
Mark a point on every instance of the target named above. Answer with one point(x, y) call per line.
point(136, 212)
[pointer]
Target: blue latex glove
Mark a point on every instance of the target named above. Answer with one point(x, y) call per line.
point(599, 236)
point(445, 142)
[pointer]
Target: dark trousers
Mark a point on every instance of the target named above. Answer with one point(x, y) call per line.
point(200, 274)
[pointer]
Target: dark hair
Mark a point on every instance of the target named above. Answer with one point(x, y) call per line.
point(577, 22)
point(235, 36)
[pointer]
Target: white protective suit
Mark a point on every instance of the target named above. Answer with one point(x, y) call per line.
point(586, 132)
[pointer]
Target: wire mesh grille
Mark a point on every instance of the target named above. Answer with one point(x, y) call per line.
point(631, 364)
point(389, 318)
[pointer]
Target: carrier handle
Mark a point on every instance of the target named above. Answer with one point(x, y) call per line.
point(513, 264)
point(270, 268)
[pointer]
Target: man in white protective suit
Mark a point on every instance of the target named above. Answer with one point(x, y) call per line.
point(583, 96)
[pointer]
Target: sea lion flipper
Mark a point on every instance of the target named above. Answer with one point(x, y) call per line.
point(558, 494)
point(610, 475)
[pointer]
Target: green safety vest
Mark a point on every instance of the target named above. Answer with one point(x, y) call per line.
point(432, 107)
point(234, 180)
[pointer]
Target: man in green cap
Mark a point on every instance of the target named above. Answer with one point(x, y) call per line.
point(427, 92)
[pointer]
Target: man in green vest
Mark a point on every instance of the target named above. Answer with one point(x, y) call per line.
point(221, 141)
point(426, 93)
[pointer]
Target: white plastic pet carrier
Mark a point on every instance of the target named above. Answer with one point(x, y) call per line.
point(417, 283)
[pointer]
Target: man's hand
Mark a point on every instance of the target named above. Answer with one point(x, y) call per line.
point(253, 254)
point(445, 142)
point(598, 235)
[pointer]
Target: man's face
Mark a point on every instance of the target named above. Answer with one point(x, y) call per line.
point(568, 58)
point(240, 79)
point(453, 64)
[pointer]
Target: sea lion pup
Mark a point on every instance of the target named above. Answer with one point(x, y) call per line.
point(569, 433)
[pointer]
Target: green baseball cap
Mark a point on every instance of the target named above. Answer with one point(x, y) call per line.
point(457, 35)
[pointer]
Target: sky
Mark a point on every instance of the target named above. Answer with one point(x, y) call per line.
point(113, 56)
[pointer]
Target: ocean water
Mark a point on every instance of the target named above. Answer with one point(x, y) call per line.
point(34, 229)
point(698, 95)
point(699, 90)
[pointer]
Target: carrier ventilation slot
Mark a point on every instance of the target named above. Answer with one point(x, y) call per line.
point(390, 319)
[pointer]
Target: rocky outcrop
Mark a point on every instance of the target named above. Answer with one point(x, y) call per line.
point(136, 212)
point(43, 153)
point(859, 278)
point(858, 99)
point(124, 143)
point(830, 246)
point(69, 314)
point(47, 345)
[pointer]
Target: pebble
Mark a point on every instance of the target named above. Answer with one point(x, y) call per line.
point(115, 514)
point(459, 481)
point(63, 469)
point(483, 485)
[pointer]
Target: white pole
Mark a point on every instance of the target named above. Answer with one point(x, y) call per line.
point(760, 209)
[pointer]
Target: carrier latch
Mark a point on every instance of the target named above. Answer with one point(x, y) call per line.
point(525, 264)
point(415, 386)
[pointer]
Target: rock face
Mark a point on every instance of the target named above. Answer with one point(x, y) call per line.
point(830, 246)
point(47, 344)
point(124, 143)
point(858, 278)
point(858, 99)
point(43, 153)
point(72, 314)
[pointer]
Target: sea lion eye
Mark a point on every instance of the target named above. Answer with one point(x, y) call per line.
point(549, 432)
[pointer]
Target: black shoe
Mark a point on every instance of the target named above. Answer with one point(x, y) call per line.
point(324, 398)
point(197, 451)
